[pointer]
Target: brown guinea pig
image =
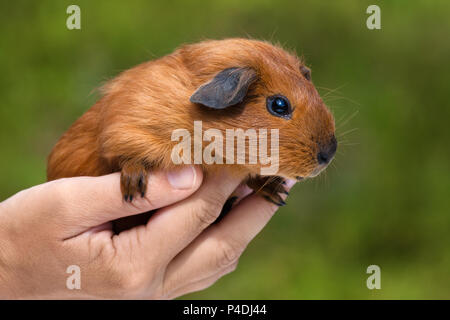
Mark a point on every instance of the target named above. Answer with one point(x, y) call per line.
point(225, 84)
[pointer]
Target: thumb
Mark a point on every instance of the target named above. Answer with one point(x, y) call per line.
point(90, 201)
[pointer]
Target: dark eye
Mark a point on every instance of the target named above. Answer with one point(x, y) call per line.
point(279, 106)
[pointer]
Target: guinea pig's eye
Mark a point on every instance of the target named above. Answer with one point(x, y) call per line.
point(279, 106)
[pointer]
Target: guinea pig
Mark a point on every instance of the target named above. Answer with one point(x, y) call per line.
point(231, 83)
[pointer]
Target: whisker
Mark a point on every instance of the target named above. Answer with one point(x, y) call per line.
point(337, 98)
point(347, 132)
point(347, 120)
point(330, 91)
point(349, 144)
point(341, 118)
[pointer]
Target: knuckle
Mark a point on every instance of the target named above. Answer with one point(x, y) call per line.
point(209, 209)
point(168, 286)
point(206, 284)
point(129, 283)
point(142, 204)
point(228, 254)
point(233, 267)
point(215, 199)
point(227, 270)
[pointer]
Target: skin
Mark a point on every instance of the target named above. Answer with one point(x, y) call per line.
point(49, 227)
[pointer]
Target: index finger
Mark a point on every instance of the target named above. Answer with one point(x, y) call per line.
point(221, 245)
point(180, 223)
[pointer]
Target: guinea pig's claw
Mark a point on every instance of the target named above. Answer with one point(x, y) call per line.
point(279, 203)
point(271, 188)
point(133, 180)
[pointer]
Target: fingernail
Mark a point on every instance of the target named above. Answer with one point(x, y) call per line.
point(182, 179)
point(290, 183)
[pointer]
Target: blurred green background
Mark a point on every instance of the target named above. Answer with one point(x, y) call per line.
point(384, 200)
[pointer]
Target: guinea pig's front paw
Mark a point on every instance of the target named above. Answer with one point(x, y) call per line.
point(270, 188)
point(133, 179)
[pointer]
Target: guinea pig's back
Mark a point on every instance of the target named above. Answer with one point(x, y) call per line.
point(76, 153)
point(134, 119)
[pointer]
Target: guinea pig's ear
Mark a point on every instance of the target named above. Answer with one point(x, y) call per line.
point(227, 88)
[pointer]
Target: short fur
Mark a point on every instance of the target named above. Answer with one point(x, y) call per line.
point(129, 129)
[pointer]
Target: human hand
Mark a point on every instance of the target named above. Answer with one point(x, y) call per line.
point(47, 228)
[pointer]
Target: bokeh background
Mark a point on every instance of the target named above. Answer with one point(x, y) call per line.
point(385, 198)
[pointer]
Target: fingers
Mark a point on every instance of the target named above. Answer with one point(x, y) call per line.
point(199, 285)
point(182, 222)
point(220, 246)
point(91, 201)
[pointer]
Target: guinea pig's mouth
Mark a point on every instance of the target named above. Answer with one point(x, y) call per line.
point(324, 157)
point(314, 173)
point(318, 170)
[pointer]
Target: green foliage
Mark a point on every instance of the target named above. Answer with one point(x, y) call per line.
point(385, 198)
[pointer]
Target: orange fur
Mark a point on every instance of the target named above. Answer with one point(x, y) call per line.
point(133, 121)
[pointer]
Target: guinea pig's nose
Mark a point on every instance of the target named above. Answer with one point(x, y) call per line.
point(327, 151)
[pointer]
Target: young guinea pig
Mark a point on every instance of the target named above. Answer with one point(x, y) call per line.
point(225, 84)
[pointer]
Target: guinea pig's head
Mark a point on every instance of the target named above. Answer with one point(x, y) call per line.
point(252, 84)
